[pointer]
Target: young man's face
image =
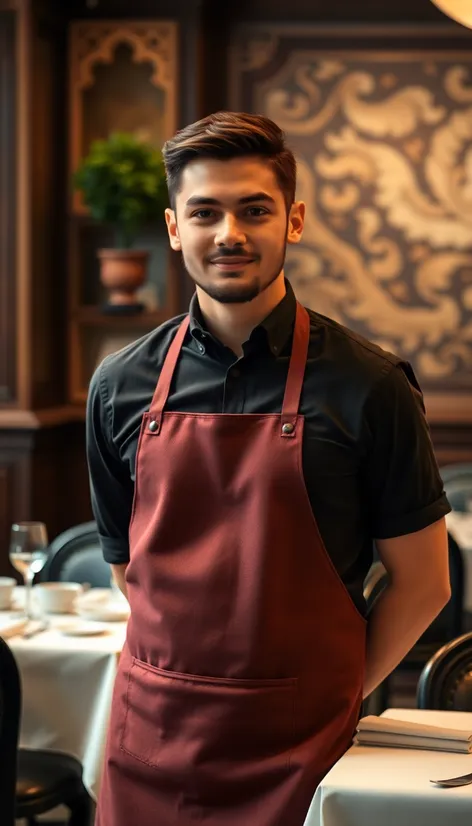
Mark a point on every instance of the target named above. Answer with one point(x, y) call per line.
point(231, 225)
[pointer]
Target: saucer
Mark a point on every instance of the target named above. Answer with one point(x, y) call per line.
point(113, 612)
point(82, 629)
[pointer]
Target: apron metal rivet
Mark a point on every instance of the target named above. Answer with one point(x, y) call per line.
point(153, 426)
point(288, 428)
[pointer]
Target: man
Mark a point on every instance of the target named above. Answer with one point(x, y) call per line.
point(242, 459)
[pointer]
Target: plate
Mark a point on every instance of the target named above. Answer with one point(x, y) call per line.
point(82, 629)
point(104, 613)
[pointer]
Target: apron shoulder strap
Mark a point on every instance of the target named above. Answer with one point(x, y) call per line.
point(293, 388)
point(162, 390)
point(296, 372)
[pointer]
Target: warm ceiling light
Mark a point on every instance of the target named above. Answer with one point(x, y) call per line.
point(460, 10)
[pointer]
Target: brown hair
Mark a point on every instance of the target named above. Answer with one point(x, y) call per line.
point(227, 135)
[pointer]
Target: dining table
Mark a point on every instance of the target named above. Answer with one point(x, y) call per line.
point(391, 786)
point(67, 670)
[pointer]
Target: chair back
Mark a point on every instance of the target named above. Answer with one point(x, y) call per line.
point(457, 481)
point(375, 582)
point(10, 713)
point(446, 680)
point(76, 556)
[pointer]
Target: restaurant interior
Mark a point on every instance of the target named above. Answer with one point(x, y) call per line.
point(375, 99)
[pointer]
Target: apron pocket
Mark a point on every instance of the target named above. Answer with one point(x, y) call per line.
point(178, 722)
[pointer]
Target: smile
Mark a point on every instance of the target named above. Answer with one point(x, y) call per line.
point(232, 263)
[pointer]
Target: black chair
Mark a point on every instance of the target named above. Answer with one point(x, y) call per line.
point(446, 680)
point(75, 556)
point(445, 627)
point(33, 782)
point(457, 480)
point(10, 712)
point(374, 584)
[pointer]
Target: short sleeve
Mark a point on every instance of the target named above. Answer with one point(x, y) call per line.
point(402, 484)
point(111, 488)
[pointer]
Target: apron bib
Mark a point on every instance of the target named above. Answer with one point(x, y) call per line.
point(240, 683)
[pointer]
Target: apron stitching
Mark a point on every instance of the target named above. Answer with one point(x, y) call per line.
point(245, 416)
point(122, 746)
point(127, 709)
point(232, 682)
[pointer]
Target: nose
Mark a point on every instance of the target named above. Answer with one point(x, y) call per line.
point(229, 233)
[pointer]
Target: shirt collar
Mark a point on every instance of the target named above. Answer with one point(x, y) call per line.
point(276, 329)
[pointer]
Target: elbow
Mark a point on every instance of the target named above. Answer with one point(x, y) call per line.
point(438, 596)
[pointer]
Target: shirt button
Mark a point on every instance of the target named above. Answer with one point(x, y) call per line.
point(201, 348)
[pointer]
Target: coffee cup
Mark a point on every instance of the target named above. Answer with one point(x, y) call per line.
point(57, 597)
point(7, 586)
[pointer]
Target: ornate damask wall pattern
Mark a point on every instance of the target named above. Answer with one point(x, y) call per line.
point(384, 148)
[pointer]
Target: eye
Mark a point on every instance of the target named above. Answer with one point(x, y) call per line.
point(257, 211)
point(203, 214)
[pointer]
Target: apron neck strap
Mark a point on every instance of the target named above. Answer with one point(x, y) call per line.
point(296, 371)
point(293, 388)
point(162, 390)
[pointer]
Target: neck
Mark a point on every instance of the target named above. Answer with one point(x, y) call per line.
point(232, 324)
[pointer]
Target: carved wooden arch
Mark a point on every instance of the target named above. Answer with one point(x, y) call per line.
point(94, 42)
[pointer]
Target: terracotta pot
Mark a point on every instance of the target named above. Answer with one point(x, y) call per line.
point(122, 273)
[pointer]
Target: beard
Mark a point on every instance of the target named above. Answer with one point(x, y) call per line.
point(232, 290)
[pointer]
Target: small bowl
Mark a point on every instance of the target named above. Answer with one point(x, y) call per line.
point(57, 597)
point(7, 586)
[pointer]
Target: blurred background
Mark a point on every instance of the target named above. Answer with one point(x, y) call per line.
point(376, 101)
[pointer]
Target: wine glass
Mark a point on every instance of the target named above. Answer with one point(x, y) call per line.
point(28, 554)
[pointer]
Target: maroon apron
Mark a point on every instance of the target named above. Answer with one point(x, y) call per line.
point(240, 683)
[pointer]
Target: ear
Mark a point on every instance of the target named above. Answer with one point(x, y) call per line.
point(296, 221)
point(173, 230)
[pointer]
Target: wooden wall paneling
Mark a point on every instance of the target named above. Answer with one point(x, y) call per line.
point(75, 503)
point(15, 487)
point(74, 378)
point(337, 11)
point(297, 10)
point(59, 478)
point(43, 476)
point(8, 387)
point(48, 207)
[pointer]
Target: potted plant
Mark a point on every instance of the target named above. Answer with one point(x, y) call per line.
point(122, 181)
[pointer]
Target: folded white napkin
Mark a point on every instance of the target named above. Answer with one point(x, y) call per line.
point(11, 625)
point(385, 731)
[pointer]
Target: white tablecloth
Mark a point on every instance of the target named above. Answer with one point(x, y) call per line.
point(67, 685)
point(390, 787)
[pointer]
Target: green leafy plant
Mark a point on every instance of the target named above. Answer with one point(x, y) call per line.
point(122, 181)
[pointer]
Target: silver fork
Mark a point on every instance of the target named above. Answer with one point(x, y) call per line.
point(453, 782)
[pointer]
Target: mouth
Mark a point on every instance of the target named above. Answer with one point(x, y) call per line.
point(228, 264)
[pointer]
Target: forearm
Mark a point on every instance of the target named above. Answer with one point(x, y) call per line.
point(119, 576)
point(398, 619)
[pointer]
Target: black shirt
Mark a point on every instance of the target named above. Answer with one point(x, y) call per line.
point(368, 462)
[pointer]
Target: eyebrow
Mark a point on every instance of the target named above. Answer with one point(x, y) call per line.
point(199, 200)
